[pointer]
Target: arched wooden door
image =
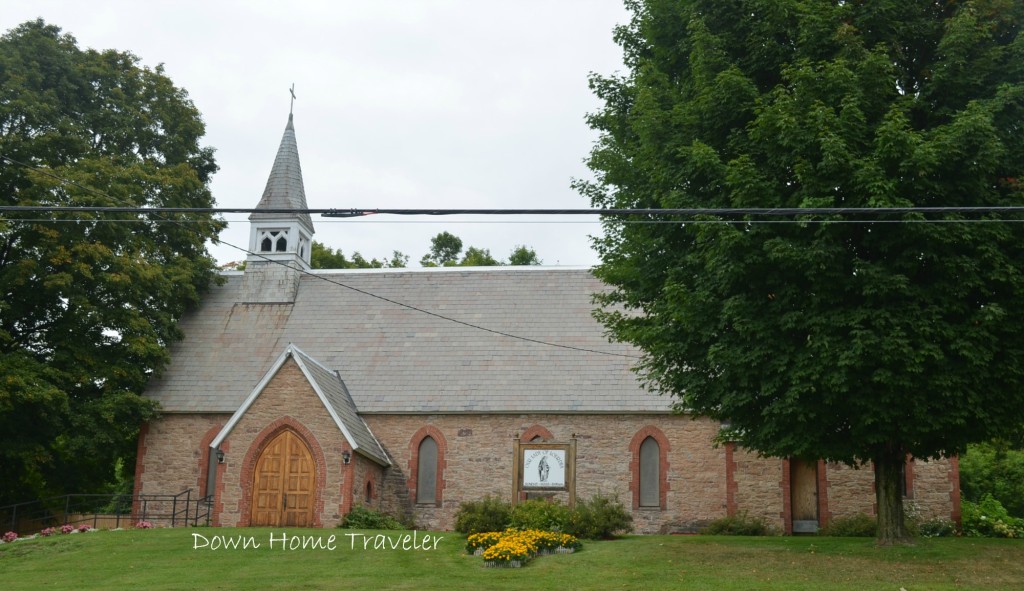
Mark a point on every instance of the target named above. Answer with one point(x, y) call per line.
point(283, 483)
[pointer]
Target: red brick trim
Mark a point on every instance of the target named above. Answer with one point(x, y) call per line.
point(348, 480)
point(663, 468)
point(787, 498)
point(140, 467)
point(204, 469)
point(248, 467)
point(414, 460)
point(731, 486)
point(954, 489)
point(534, 431)
point(218, 487)
point(204, 457)
point(824, 515)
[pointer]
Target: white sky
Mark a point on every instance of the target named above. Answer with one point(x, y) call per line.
point(401, 104)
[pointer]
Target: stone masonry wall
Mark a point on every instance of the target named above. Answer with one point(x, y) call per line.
point(287, 401)
point(478, 462)
point(171, 457)
point(702, 484)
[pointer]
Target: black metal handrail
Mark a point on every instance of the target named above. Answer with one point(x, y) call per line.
point(119, 510)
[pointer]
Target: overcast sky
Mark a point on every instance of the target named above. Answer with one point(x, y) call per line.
point(401, 104)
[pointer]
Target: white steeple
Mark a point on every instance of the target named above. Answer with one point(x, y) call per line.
point(275, 233)
point(280, 240)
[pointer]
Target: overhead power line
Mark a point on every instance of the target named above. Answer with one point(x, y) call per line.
point(158, 211)
point(689, 211)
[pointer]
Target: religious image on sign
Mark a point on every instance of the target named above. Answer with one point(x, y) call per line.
point(544, 468)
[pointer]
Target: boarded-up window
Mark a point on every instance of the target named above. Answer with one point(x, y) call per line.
point(650, 473)
point(426, 473)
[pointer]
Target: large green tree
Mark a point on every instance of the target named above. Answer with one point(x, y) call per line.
point(859, 339)
point(89, 301)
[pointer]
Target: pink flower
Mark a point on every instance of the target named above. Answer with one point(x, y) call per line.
point(48, 532)
point(143, 525)
point(67, 528)
point(10, 537)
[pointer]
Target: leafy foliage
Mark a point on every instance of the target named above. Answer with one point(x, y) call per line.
point(523, 256)
point(90, 300)
point(324, 257)
point(541, 514)
point(853, 340)
point(445, 249)
point(599, 518)
point(488, 515)
point(988, 518)
point(854, 526)
point(741, 524)
point(996, 469)
point(937, 528)
point(361, 517)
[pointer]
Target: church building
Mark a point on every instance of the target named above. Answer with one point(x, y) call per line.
point(298, 394)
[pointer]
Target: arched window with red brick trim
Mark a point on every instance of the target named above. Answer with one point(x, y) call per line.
point(426, 466)
point(426, 474)
point(650, 473)
point(649, 468)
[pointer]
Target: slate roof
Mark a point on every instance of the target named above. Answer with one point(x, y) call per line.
point(330, 388)
point(397, 360)
point(285, 189)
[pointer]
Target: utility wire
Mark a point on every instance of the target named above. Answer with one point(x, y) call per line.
point(158, 211)
point(694, 211)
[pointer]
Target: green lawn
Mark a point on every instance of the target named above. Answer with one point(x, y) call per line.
point(165, 559)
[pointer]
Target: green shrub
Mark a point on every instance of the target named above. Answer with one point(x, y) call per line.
point(989, 519)
point(739, 525)
point(997, 469)
point(490, 514)
point(937, 528)
point(599, 518)
point(857, 526)
point(540, 514)
point(362, 518)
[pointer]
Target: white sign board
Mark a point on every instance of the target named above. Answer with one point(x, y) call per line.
point(544, 468)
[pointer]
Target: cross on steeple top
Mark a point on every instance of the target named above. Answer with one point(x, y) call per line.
point(291, 106)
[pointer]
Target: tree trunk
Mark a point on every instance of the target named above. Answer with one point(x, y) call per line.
point(892, 527)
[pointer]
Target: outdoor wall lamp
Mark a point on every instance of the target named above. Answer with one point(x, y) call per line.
point(220, 456)
point(346, 457)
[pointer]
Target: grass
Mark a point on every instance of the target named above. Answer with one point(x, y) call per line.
point(164, 559)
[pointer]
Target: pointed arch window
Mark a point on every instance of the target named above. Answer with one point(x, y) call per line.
point(427, 450)
point(650, 473)
point(426, 475)
point(649, 466)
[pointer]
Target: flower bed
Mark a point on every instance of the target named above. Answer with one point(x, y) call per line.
point(513, 548)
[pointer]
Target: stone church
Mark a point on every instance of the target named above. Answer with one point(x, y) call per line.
point(297, 394)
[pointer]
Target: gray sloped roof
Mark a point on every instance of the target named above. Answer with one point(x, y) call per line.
point(330, 384)
point(285, 189)
point(330, 390)
point(397, 360)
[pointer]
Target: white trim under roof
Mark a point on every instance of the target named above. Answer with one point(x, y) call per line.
point(290, 351)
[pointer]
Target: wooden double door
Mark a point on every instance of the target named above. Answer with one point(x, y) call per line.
point(283, 483)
